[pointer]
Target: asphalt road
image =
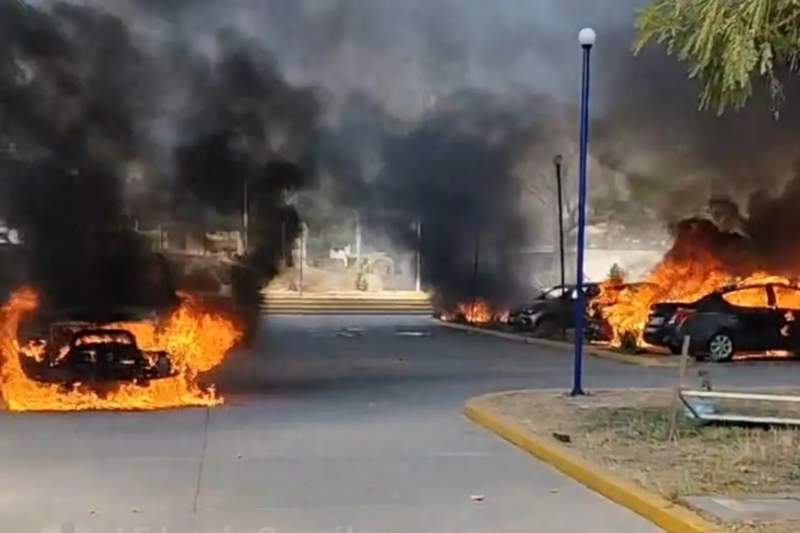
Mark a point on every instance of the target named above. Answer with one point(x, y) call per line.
point(333, 425)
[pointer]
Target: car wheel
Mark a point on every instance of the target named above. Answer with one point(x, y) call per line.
point(547, 328)
point(721, 347)
point(518, 325)
point(675, 350)
point(163, 366)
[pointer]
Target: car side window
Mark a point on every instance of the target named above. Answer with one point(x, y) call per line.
point(786, 297)
point(748, 297)
point(554, 294)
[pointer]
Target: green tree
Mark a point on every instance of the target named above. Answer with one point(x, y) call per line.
point(728, 44)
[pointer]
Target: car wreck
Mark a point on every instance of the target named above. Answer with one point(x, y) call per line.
point(95, 344)
point(749, 318)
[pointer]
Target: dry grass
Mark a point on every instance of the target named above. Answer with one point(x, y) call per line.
point(626, 432)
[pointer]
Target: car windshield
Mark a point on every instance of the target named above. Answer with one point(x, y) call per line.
point(553, 293)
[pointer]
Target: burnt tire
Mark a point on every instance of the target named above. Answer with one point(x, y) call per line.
point(519, 327)
point(547, 329)
point(720, 347)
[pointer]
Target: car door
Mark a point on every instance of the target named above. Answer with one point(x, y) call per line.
point(787, 315)
point(564, 311)
point(755, 315)
point(570, 305)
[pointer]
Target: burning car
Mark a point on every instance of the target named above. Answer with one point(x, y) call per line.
point(67, 344)
point(744, 318)
point(551, 311)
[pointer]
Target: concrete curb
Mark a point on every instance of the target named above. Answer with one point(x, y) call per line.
point(661, 512)
point(660, 361)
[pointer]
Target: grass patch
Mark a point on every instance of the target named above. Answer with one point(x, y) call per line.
point(626, 431)
point(642, 424)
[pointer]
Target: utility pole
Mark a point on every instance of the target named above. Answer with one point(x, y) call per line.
point(302, 254)
point(475, 275)
point(245, 214)
point(358, 238)
point(418, 272)
point(283, 240)
point(557, 160)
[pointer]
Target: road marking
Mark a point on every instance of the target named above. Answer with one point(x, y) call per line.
point(196, 500)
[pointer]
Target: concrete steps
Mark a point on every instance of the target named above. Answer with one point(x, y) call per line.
point(338, 303)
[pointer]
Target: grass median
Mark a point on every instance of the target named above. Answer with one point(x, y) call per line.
point(626, 432)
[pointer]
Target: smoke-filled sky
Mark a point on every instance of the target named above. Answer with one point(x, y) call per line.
point(447, 111)
point(409, 57)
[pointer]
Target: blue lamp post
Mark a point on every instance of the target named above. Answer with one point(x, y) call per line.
point(586, 38)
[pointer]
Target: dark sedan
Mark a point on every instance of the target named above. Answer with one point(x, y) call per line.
point(552, 311)
point(750, 318)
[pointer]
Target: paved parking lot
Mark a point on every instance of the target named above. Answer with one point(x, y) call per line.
point(333, 424)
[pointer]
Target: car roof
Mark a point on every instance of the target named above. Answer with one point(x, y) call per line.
point(733, 288)
point(730, 288)
point(571, 285)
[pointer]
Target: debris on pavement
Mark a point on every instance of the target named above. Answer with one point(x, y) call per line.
point(412, 333)
point(562, 437)
point(476, 497)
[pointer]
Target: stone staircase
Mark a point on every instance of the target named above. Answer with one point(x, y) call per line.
point(344, 303)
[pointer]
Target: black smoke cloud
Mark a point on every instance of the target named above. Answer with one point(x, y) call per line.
point(69, 110)
point(454, 173)
point(89, 114)
point(455, 170)
point(657, 158)
point(428, 107)
point(248, 129)
point(674, 157)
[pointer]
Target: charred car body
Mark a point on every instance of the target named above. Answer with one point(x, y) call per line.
point(66, 344)
point(552, 311)
point(735, 319)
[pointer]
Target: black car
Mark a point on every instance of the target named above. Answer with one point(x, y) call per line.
point(67, 344)
point(750, 318)
point(662, 325)
point(551, 311)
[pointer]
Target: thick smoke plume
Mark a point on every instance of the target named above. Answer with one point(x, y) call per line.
point(455, 172)
point(101, 128)
point(69, 108)
point(443, 112)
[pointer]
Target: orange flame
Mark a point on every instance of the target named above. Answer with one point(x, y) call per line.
point(701, 261)
point(479, 312)
point(196, 339)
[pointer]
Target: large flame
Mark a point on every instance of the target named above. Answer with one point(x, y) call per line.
point(701, 260)
point(196, 339)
